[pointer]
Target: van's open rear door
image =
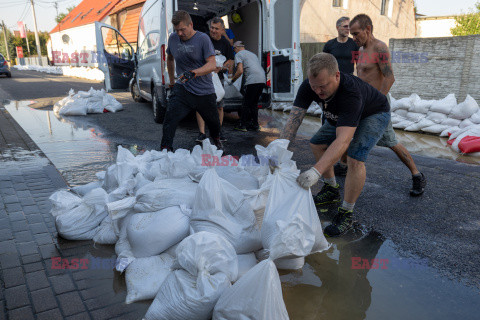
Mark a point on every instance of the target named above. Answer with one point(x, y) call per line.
point(285, 55)
point(115, 57)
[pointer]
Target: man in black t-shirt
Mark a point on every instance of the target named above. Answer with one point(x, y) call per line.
point(356, 115)
point(342, 47)
point(221, 45)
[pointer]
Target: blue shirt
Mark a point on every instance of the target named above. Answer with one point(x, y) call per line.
point(190, 55)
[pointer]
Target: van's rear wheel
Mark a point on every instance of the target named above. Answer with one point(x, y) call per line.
point(159, 107)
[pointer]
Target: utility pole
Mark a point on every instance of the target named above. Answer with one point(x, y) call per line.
point(26, 38)
point(6, 41)
point(37, 39)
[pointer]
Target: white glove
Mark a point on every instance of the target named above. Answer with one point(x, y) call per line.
point(308, 178)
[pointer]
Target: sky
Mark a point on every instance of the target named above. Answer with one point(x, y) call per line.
point(12, 11)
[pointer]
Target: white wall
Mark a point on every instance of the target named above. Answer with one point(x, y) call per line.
point(433, 28)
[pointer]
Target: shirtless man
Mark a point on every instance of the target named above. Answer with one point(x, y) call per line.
point(374, 67)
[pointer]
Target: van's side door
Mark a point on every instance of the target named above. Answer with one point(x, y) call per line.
point(284, 46)
point(115, 57)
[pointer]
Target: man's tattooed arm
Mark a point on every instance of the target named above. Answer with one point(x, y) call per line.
point(385, 65)
point(293, 123)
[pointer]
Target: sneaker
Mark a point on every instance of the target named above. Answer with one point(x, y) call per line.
point(342, 222)
point(253, 128)
point(340, 169)
point(419, 184)
point(218, 143)
point(201, 137)
point(328, 195)
point(240, 127)
point(222, 136)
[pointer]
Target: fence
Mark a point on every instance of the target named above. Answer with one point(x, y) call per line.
point(31, 61)
point(308, 50)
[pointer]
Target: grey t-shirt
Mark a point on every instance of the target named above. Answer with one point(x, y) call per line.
point(252, 69)
point(190, 55)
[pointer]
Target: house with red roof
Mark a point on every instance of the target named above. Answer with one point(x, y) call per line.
point(125, 16)
point(73, 39)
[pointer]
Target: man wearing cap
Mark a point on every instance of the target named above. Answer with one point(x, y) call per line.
point(248, 64)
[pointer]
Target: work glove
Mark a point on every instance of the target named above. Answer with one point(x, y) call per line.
point(186, 76)
point(308, 178)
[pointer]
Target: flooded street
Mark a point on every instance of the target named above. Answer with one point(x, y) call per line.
point(362, 276)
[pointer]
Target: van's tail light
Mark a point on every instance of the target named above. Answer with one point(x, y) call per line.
point(269, 70)
point(5, 62)
point(163, 64)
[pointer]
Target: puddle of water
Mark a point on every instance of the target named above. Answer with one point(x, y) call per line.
point(327, 287)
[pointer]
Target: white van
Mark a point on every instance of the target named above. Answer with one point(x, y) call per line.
point(269, 28)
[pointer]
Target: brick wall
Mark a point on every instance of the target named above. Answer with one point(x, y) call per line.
point(453, 66)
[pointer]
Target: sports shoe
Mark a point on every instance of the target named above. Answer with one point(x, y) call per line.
point(240, 127)
point(201, 137)
point(340, 169)
point(222, 136)
point(419, 184)
point(328, 195)
point(253, 127)
point(218, 143)
point(342, 222)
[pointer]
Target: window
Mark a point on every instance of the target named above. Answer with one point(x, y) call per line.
point(337, 3)
point(384, 7)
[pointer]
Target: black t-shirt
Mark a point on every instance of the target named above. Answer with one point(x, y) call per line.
point(225, 49)
point(354, 100)
point(343, 53)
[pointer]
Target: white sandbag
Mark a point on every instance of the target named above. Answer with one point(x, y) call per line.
point(404, 103)
point(465, 123)
point(445, 105)
point(220, 60)
point(122, 247)
point(394, 118)
point(465, 109)
point(475, 118)
point(421, 106)
point(448, 131)
point(105, 233)
point(401, 112)
point(318, 112)
point(417, 126)
point(436, 128)
point(80, 223)
point(245, 262)
point(63, 201)
point(219, 207)
point(236, 175)
point(402, 124)
point(217, 84)
point(436, 117)
point(208, 264)
point(121, 208)
point(76, 107)
point(144, 277)
point(258, 199)
point(256, 295)
point(231, 91)
point(151, 233)
point(166, 193)
point(290, 263)
point(451, 122)
point(111, 104)
point(86, 188)
point(414, 116)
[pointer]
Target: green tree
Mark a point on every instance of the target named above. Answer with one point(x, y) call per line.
point(467, 24)
point(62, 15)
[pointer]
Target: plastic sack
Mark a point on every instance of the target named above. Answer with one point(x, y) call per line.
point(246, 262)
point(451, 122)
point(86, 188)
point(465, 109)
point(401, 112)
point(151, 233)
point(220, 208)
point(217, 84)
point(290, 263)
point(469, 144)
point(63, 201)
point(465, 123)
point(419, 125)
point(256, 295)
point(445, 105)
point(414, 116)
point(122, 247)
point(475, 118)
point(436, 128)
point(436, 117)
point(207, 264)
point(421, 106)
point(220, 60)
point(105, 233)
point(145, 276)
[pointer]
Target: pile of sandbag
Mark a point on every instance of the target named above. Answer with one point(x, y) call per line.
point(83, 102)
point(189, 234)
point(443, 117)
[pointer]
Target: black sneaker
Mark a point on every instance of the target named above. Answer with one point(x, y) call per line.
point(253, 128)
point(340, 169)
point(222, 136)
point(240, 127)
point(201, 137)
point(218, 143)
point(419, 184)
point(328, 195)
point(342, 222)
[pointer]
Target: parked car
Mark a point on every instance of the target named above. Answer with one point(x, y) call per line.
point(4, 68)
point(269, 28)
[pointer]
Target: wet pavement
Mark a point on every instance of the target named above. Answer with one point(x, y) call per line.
point(427, 248)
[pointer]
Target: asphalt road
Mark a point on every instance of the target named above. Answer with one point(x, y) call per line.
point(443, 225)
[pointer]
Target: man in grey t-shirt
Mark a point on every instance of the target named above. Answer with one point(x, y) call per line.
point(192, 53)
point(248, 64)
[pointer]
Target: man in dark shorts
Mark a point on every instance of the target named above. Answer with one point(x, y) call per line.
point(192, 53)
point(356, 115)
point(221, 45)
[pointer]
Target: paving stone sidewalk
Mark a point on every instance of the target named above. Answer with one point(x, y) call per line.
point(30, 287)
